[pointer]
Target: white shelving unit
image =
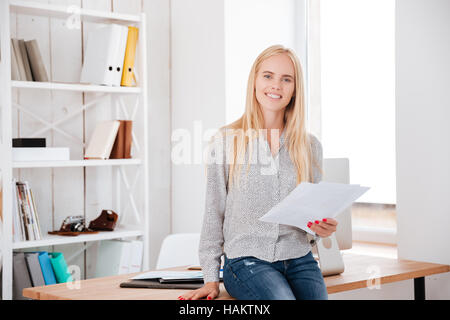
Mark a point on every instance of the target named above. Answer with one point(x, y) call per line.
point(7, 106)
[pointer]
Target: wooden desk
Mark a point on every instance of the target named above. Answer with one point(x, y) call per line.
point(359, 273)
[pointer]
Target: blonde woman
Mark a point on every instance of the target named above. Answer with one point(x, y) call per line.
point(257, 161)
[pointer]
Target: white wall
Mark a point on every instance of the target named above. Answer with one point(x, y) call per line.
point(250, 27)
point(158, 60)
point(198, 100)
point(210, 67)
point(422, 129)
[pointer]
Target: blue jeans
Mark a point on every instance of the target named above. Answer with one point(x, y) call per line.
point(249, 278)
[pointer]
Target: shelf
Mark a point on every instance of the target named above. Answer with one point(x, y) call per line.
point(130, 187)
point(64, 12)
point(73, 87)
point(75, 163)
point(50, 240)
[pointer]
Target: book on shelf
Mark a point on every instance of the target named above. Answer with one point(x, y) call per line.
point(26, 61)
point(122, 145)
point(60, 268)
point(28, 143)
point(102, 140)
point(26, 225)
point(18, 58)
point(40, 154)
point(46, 268)
point(35, 269)
point(36, 63)
point(15, 75)
point(21, 276)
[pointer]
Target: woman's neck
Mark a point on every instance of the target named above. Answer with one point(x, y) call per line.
point(274, 121)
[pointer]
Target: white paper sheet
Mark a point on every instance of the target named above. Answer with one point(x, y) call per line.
point(310, 202)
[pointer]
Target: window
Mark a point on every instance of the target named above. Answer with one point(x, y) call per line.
point(352, 71)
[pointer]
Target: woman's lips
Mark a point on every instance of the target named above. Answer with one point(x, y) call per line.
point(273, 96)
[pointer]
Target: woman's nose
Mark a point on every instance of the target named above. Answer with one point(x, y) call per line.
point(276, 85)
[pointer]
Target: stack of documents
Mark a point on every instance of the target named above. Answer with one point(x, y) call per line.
point(310, 202)
point(167, 280)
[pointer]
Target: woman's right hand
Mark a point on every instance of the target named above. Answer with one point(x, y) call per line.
point(210, 290)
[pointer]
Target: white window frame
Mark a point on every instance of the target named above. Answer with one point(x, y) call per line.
point(308, 47)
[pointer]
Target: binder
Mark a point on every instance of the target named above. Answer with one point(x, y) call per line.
point(36, 63)
point(46, 268)
point(21, 277)
point(34, 268)
point(105, 52)
point(60, 267)
point(122, 145)
point(102, 140)
point(128, 77)
point(120, 55)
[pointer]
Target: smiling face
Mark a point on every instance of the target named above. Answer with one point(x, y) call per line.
point(275, 82)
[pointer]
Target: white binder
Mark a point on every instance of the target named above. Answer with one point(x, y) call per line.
point(120, 55)
point(105, 52)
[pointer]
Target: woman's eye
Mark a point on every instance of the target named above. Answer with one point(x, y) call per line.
point(287, 80)
point(267, 76)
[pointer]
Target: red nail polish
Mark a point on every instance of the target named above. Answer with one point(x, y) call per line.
point(324, 220)
point(317, 222)
point(309, 224)
point(209, 298)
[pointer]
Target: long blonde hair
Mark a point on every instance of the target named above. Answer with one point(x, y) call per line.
point(252, 121)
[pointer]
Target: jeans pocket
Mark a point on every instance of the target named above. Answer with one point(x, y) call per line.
point(237, 263)
point(245, 267)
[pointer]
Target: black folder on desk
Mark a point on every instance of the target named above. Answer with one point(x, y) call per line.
point(156, 284)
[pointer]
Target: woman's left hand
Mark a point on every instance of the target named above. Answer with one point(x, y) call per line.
point(324, 228)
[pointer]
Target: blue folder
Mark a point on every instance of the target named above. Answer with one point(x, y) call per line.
point(46, 267)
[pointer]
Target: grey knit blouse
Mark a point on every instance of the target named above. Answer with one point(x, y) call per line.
point(230, 223)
